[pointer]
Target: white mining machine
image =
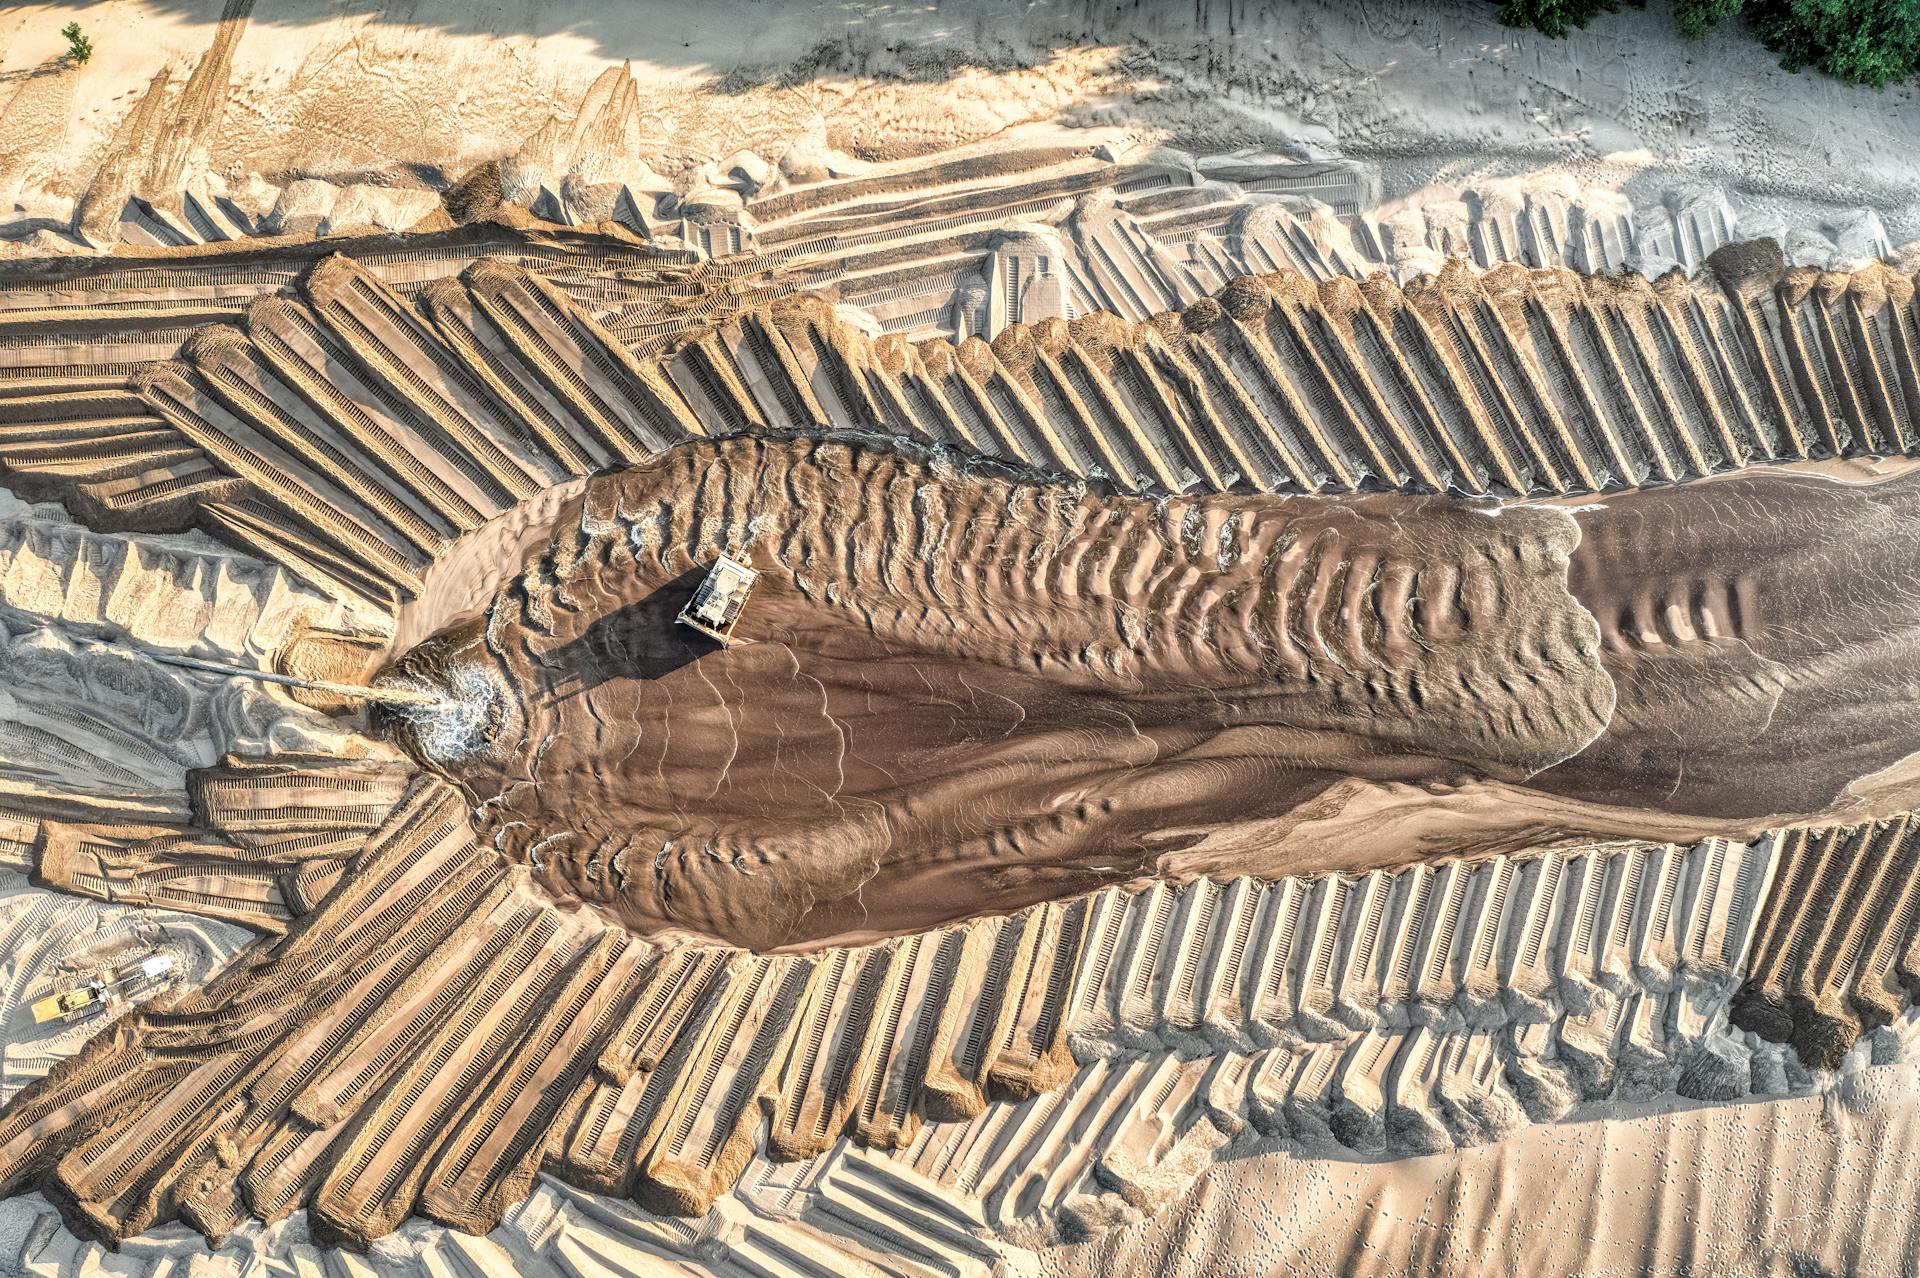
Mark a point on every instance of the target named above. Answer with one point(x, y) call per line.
point(716, 605)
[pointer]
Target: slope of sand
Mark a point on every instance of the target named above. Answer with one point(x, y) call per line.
point(1789, 1189)
point(1402, 1044)
point(1795, 1187)
point(1393, 1047)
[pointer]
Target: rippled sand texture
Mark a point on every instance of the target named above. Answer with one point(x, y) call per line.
point(1100, 598)
point(1315, 704)
point(961, 691)
point(1760, 632)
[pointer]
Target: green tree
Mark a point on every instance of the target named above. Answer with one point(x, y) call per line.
point(1874, 42)
point(1555, 17)
point(1697, 17)
point(79, 48)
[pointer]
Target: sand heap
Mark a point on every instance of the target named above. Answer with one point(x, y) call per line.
point(432, 1017)
point(1509, 383)
point(967, 691)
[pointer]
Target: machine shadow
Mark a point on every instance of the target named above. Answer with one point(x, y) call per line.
point(640, 641)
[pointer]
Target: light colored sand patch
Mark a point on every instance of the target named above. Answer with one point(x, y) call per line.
point(1794, 1187)
point(46, 935)
point(1441, 97)
point(1788, 1188)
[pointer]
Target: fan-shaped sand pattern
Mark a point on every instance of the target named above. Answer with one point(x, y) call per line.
point(965, 691)
point(430, 1018)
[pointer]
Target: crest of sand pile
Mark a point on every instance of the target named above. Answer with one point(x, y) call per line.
point(1509, 383)
point(1728, 1198)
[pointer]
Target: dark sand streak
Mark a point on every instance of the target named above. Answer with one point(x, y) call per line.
point(1072, 685)
point(1071, 689)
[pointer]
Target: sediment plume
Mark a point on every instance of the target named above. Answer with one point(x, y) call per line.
point(969, 686)
point(963, 689)
point(1759, 631)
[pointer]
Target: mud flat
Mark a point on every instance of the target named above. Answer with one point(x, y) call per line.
point(958, 685)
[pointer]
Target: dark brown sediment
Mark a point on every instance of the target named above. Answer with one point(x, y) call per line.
point(963, 690)
point(966, 690)
point(1760, 630)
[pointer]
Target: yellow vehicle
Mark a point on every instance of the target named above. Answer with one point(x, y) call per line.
point(717, 604)
point(95, 994)
point(69, 1004)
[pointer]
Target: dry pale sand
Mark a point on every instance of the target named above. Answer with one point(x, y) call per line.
point(1437, 95)
point(1439, 1005)
point(1790, 1189)
point(1787, 1189)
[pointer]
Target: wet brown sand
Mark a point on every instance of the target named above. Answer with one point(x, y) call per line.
point(961, 690)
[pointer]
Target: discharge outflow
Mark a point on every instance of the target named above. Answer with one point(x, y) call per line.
point(362, 692)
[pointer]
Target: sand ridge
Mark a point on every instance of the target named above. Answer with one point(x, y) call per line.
point(434, 1021)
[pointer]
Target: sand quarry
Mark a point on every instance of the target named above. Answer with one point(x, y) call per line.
point(1329, 688)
